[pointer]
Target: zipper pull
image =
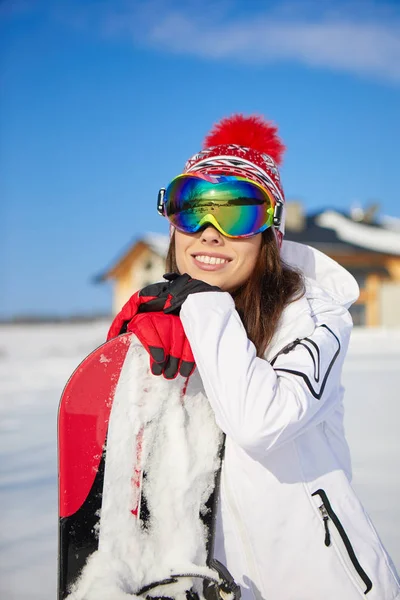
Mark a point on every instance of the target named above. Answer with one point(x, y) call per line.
point(291, 346)
point(325, 517)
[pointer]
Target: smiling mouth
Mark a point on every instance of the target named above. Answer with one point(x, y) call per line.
point(210, 263)
point(211, 260)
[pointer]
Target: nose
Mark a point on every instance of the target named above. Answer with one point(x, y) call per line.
point(211, 236)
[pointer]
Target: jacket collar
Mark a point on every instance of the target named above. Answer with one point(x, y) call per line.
point(323, 276)
point(324, 279)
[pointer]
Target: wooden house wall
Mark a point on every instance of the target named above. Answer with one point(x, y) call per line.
point(144, 268)
point(380, 270)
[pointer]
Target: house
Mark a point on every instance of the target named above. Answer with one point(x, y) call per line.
point(142, 263)
point(368, 249)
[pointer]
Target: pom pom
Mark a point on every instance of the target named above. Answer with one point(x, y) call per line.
point(252, 132)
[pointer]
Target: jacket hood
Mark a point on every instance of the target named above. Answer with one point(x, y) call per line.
point(321, 273)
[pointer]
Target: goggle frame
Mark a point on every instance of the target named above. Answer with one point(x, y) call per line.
point(277, 218)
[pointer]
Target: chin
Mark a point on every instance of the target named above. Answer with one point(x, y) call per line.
point(210, 278)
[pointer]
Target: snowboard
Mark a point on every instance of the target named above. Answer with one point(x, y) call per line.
point(139, 462)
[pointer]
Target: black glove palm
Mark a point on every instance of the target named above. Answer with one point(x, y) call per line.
point(181, 287)
point(171, 297)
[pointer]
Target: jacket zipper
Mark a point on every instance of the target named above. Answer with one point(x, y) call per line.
point(285, 350)
point(328, 515)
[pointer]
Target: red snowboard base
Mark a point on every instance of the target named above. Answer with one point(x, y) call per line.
point(82, 431)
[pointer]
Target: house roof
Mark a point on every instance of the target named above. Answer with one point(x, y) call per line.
point(339, 232)
point(156, 242)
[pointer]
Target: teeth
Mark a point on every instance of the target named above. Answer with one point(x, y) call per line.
point(211, 260)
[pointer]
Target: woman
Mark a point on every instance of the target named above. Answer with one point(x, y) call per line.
point(268, 326)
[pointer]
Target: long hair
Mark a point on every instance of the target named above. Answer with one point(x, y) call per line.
point(260, 301)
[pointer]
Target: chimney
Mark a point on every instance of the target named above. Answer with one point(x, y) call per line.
point(295, 217)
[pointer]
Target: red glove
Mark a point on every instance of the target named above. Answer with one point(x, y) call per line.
point(164, 339)
point(152, 314)
point(155, 293)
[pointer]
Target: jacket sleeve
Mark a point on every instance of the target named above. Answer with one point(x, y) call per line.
point(259, 404)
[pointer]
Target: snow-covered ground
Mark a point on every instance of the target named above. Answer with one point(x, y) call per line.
point(35, 362)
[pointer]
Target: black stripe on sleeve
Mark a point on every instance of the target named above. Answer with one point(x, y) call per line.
point(317, 365)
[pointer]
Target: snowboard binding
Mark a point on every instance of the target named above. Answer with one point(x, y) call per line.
point(223, 588)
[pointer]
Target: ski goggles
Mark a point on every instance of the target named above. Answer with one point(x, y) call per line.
point(236, 206)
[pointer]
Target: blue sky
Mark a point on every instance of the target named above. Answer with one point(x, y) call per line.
point(101, 103)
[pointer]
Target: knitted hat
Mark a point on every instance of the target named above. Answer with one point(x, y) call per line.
point(247, 147)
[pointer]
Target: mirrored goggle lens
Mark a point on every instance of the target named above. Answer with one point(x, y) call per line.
point(236, 206)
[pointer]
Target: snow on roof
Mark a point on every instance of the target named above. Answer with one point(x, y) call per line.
point(360, 234)
point(157, 242)
point(392, 223)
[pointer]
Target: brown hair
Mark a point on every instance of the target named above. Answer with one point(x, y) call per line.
point(260, 301)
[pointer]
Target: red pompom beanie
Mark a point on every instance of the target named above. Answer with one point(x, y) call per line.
point(245, 146)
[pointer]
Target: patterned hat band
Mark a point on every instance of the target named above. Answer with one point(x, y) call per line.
point(229, 165)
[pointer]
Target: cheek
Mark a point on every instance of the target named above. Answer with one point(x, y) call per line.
point(249, 258)
point(248, 252)
point(253, 262)
point(249, 265)
point(180, 263)
point(180, 253)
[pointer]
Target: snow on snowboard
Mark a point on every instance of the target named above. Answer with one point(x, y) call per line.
point(139, 460)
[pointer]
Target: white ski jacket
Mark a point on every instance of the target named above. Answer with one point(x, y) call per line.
point(290, 526)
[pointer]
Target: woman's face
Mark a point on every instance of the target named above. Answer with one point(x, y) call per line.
point(218, 260)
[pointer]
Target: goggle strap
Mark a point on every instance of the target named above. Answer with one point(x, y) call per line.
point(278, 214)
point(160, 202)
